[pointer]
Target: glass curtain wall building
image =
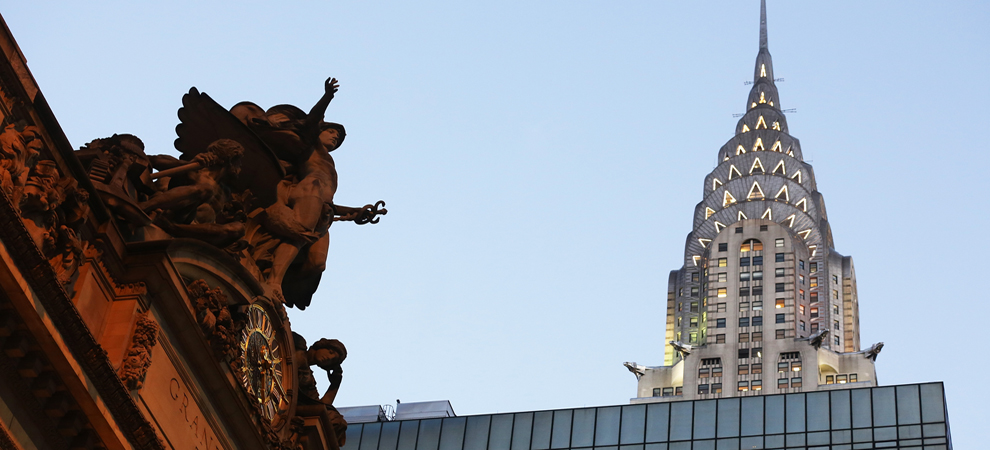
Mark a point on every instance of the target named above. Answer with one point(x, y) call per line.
point(892, 417)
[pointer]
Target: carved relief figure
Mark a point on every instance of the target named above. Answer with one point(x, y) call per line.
point(214, 318)
point(138, 358)
point(327, 354)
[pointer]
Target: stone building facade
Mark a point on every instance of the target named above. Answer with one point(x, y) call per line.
point(764, 303)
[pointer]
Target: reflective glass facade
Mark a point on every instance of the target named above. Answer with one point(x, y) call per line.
point(897, 417)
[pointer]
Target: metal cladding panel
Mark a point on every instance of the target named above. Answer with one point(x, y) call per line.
point(424, 410)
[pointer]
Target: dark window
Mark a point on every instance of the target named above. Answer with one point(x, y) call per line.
point(814, 327)
point(716, 389)
point(717, 372)
point(723, 247)
point(814, 267)
point(779, 318)
point(744, 261)
point(656, 392)
point(744, 353)
point(702, 388)
point(679, 390)
point(757, 321)
point(694, 292)
point(703, 373)
point(763, 228)
point(667, 392)
point(779, 257)
point(694, 306)
point(744, 321)
point(720, 323)
point(758, 290)
point(779, 287)
point(801, 264)
point(744, 292)
point(694, 277)
point(757, 260)
point(739, 230)
point(796, 382)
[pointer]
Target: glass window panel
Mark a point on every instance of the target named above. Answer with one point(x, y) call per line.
point(521, 431)
point(932, 403)
point(369, 437)
point(748, 443)
point(407, 434)
point(840, 410)
point(657, 416)
point(774, 414)
point(390, 436)
point(452, 435)
point(476, 434)
point(842, 437)
point(583, 430)
point(704, 445)
point(909, 432)
point(752, 416)
point(820, 438)
point(862, 409)
point(727, 444)
point(704, 420)
point(884, 412)
point(885, 434)
point(818, 411)
point(561, 429)
point(680, 445)
point(501, 434)
point(728, 417)
point(680, 420)
point(795, 439)
point(908, 405)
point(777, 440)
point(631, 447)
point(864, 435)
point(614, 447)
point(353, 437)
point(934, 430)
point(542, 423)
point(633, 424)
point(656, 446)
point(607, 426)
point(429, 434)
point(795, 413)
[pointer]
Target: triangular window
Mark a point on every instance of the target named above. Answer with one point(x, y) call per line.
point(726, 157)
point(759, 122)
point(762, 98)
point(776, 146)
point(715, 183)
point(804, 234)
point(719, 226)
point(752, 106)
point(696, 258)
point(704, 242)
point(768, 215)
point(790, 220)
point(814, 250)
point(745, 128)
point(803, 204)
point(797, 176)
point(741, 216)
point(708, 212)
point(783, 191)
point(740, 150)
point(757, 165)
point(755, 191)
point(790, 152)
point(727, 199)
point(763, 70)
point(779, 169)
point(758, 146)
point(733, 170)
point(776, 125)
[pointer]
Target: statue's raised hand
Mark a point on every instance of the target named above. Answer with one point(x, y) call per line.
point(331, 86)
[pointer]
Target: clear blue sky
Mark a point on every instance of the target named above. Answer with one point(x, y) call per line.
point(541, 162)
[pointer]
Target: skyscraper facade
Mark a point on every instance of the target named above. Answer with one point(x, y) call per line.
point(764, 303)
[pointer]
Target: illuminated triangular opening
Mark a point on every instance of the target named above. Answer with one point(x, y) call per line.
point(719, 226)
point(790, 220)
point(715, 183)
point(759, 122)
point(740, 150)
point(752, 106)
point(803, 204)
point(704, 242)
point(734, 170)
point(755, 191)
point(763, 70)
point(776, 146)
point(814, 250)
point(762, 98)
point(771, 104)
point(726, 157)
point(757, 165)
point(804, 234)
point(779, 169)
point(741, 216)
point(708, 212)
point(758, 145)
point(696, 258)
point(727, 199)
point(768, 215)
point(790, 152)
point(745, 128)
point(797, 176)
point(776, 125)
point(783, 191)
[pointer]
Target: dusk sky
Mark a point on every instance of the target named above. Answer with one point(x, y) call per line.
point(541, 161)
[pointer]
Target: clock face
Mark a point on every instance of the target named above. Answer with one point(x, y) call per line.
point(263, 362)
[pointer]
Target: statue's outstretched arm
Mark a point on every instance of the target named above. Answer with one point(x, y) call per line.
point(320, 108)
point(360, 216)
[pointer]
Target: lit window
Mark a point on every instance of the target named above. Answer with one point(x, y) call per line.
point(743, 337)
point(835, 309)
point(722, 277)
point(783, 367)
point(841, 379)
point(852, 378)
point(780, 334)
point(717, 372)
point(776, 125)
point(722, 262)
point(757, 352)
point(763, 98)
point(679, 390)
point(801, 308)
point(760, 122)
point(779, 242)
point(743, 386)
point(720, 323)
point(813, 282)
point(779, 318)
point(757, 306)
point(801, 325)
point(745, 128)
point(829, 379)
point(768, 215)
point(757, 165)
point(727, 199)
point(778, 272)
point(758, 275)
point(744, 306)
point(814, 312)
point(708, 212)
point(695, 277)
point(814, 267)
point(758, 145)
point(763, 70)
point(743, 369)
point(716, 388)
point(780, 303)
point(739, 150)
point(835, 294)
point(779, 169)
point(679, 321)
point(755, 191)
point(693, 323)
point(743, 276)
point(715, 184)
point(734, 171)
point(703, 372)
point(694, 338)
point(757, 385)
point(783, 192)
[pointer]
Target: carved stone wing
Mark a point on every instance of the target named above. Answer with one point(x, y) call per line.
point(203, 121)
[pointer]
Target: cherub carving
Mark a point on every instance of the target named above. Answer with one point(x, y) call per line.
point(327, 354)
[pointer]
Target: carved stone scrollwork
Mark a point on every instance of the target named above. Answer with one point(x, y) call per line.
point(138, 358)
point(214, 318)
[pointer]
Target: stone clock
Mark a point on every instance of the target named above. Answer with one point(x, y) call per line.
point(264, 365)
